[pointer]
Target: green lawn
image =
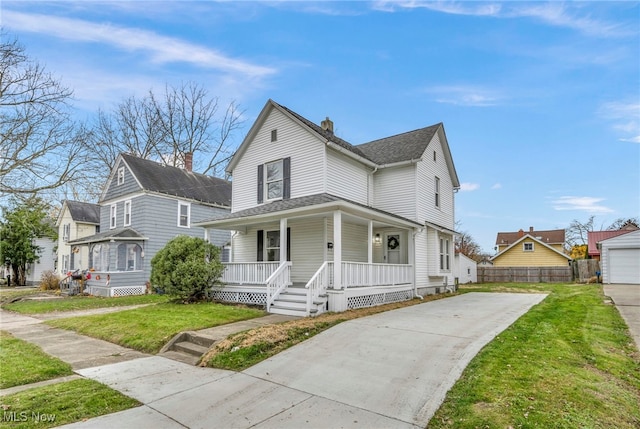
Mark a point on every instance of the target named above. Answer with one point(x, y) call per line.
point(568, 363)
point(72, 303)
point(60, 404)
point(147, 329)
point(25, 363)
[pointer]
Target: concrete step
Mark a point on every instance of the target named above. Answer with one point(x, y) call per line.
point(201, 340)
point(190, 348)
point(290, 311)
point(180, 357)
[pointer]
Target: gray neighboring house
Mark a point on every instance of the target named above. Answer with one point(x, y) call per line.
point(143, 206)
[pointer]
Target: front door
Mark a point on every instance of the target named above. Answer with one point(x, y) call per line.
point(393, 248)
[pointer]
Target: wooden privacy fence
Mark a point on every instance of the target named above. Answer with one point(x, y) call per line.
point(525, 274)
point(585, 269)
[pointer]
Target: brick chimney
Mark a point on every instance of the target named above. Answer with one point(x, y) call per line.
point(327, 125)
point(188, 161)
point(531, 230)
point(520, 233)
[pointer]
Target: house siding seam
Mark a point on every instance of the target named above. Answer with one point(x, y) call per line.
point(307, 160)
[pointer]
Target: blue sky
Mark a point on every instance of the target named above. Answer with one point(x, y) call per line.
point(540, 101)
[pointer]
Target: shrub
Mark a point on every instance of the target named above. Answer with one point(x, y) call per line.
point(186, 268)
point(49, 281)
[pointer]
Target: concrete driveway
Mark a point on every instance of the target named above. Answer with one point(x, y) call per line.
point(390, 370)
point(627, 300)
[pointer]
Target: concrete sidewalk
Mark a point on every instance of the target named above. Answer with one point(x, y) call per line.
point(627, 300)
point(388, 370)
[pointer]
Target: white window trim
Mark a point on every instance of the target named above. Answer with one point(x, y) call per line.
point(266, 182)
point(66, 232)
point(266, 245)
point(437, 201)
point(121, 176)
point(524, 247)
point(188, 205)
point(113, 216)
point(127, 212)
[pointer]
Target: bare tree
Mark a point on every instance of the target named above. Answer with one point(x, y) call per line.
point(182, 120)
point(466, 244)
point(577, 233)
point(622, 222)
point(39, 142)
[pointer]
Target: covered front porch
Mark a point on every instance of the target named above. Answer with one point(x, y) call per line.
point(306, 259)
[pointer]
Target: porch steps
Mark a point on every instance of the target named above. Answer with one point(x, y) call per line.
point(187, 347)
point(293, 302)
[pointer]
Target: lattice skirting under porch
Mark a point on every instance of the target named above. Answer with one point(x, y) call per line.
point(241, 297)
point(116, 291)
point(374, 299)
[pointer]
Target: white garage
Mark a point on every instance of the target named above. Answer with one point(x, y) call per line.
point(620, 259)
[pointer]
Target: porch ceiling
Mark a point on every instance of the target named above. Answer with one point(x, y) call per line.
point(320, 205)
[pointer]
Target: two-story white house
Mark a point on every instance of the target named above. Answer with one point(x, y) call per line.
point(76, 220)
point(319, 224)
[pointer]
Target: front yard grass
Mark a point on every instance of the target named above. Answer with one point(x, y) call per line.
point(72, 303)
point(147, 329)
point(62, 403)
point(567, 363)
point(25, 363)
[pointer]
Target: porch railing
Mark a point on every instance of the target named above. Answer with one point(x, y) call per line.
point(318, 284)
point(358, 274)
point(249, 273)
point(277, 282)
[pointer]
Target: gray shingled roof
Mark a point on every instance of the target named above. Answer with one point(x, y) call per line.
point(84, 212)
point(118, 234)
point(402, 147)
point(178, 182)
point(295, 203)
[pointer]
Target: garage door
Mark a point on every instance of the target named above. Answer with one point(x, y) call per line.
point(624, 266)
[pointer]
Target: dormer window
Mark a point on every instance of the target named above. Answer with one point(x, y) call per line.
point(121, 176)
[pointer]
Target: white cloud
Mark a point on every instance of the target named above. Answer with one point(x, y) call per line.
point(465, 95)
point(625, 117)
point(161, 49)
point(552, 13)
point(497, 186)
point(587, 204)
point(465, 187)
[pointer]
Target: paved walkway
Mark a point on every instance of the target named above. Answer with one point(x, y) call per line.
point(627, 300)
point(388, 370)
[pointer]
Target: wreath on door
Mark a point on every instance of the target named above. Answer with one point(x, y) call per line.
point(393, 243)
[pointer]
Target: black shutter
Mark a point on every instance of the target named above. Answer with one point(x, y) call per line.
point(286, 178)
point(260, 183)
point(289, 244)
point(260, 256)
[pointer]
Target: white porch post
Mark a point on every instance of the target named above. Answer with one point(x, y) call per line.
point(283, 240)
point(370, 252)
point(411, 256)
point(206, 235)
point(337, 249)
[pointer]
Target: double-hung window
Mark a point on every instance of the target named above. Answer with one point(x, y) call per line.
point(437, 192)
point(184, 214)
point(113, 217)
point(121, 176)
point(445, 255)
point(274, 180)
point(66, 231)
point(127, 213)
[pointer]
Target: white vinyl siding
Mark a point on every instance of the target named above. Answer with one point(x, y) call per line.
point(307, 160)
point(347, 178)
point(395, 190)
point(427, 171)
point(619, 259)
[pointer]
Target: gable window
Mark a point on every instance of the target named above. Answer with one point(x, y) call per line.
point(434, 155)
point(527, 247)
point(184, 214)
point(437, 192)
point(121, 176)
point(274, 135)
point(127, 213)
point(274, 179)
point(66, 231)
point(113, 216)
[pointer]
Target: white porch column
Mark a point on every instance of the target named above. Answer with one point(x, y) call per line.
point(411, 256)
point(370, 251)
point(206, 235)
point(283, 240)
point(337, 249)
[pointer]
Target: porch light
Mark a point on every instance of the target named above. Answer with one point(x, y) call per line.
point(377, 239)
